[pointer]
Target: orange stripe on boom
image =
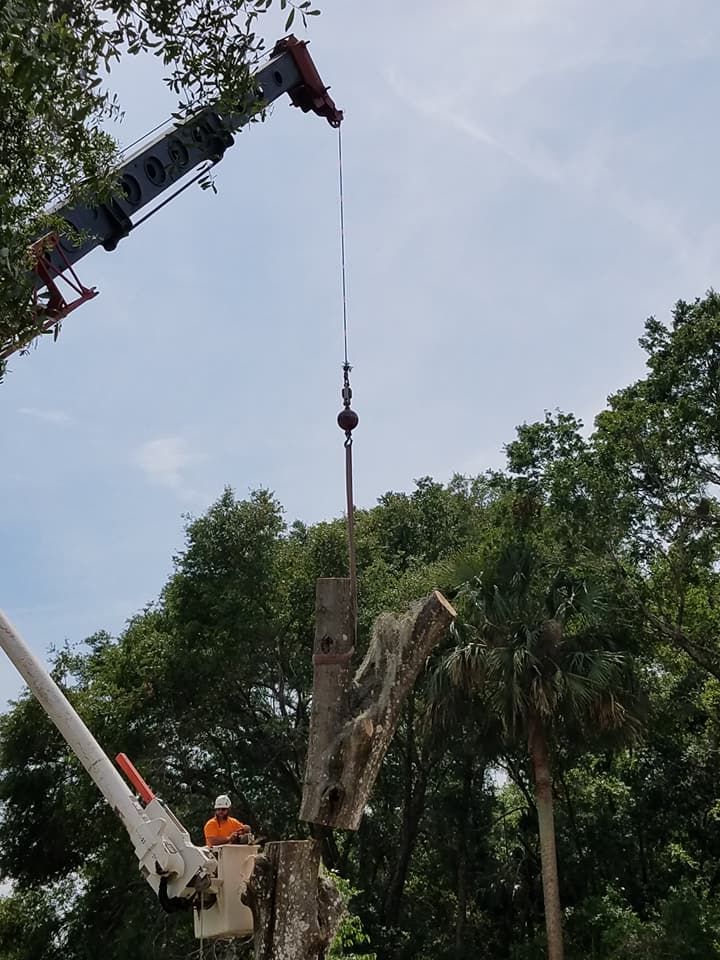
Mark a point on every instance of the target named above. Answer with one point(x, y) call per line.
point(128, 768)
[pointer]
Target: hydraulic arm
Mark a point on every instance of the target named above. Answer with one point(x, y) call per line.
point(182, 874)
point(162, 845)
point(151, 173)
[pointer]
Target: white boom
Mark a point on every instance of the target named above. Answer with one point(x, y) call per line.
point(172, 865)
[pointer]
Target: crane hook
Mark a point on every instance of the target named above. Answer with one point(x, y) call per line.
point(347, 418)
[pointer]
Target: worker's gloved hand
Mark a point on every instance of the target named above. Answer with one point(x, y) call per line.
point(243, 838)
point(243, 835)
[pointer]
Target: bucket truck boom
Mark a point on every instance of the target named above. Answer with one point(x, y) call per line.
point(182, 874)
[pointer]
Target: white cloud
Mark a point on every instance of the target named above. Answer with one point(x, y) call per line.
point(164, 461)
point(48, 416)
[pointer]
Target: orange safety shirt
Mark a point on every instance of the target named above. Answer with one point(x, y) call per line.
point(221, 829)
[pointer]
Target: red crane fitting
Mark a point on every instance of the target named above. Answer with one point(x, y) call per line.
point(311, 94)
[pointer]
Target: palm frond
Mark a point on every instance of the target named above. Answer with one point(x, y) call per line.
point(533, 637)
point(467, 665)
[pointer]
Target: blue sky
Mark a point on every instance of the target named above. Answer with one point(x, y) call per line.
point(525, 183)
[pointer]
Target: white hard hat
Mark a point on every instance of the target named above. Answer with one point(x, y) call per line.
point(222, 801)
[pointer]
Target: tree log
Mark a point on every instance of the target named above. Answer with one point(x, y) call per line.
point(295, 912)
point(353, 721)
point(332, 680)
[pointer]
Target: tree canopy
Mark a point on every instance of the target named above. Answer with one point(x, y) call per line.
point(583, 680)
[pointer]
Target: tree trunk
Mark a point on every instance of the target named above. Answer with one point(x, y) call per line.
point(539, 754)
point(413, 809)
point(295, 912)
point(571, 815)
point(353, 721)
point(332, 654)
point(644, 872)
point(464, 838)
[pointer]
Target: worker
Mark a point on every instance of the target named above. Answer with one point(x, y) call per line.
point(222, 828)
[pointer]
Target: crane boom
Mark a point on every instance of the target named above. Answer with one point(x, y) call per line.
point(154, 169)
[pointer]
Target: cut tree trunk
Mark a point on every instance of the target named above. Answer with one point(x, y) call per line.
point(354, 719)
point(539, 754)
point(295, 911)
point(332, 678)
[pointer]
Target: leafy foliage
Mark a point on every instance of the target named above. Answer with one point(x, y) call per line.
point(586, 575)
point(350, 937)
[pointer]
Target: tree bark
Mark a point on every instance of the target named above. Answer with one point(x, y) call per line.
point(413, 810)
point(332, 654)
point(295, 912)
point(571, 815)
point(353, 720)
point(644, 872)
point(539, 754)
point(464, 844)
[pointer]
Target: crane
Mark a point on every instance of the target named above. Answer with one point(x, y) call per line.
point(150, 173)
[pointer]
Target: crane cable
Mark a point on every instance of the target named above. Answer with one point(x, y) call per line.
point(347, 418)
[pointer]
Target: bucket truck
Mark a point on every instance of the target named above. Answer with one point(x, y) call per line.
point(183, 875)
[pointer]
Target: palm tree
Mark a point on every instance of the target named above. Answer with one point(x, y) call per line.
point(538, 645)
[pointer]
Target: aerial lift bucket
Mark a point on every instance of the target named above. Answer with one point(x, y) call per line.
point(227, 915)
